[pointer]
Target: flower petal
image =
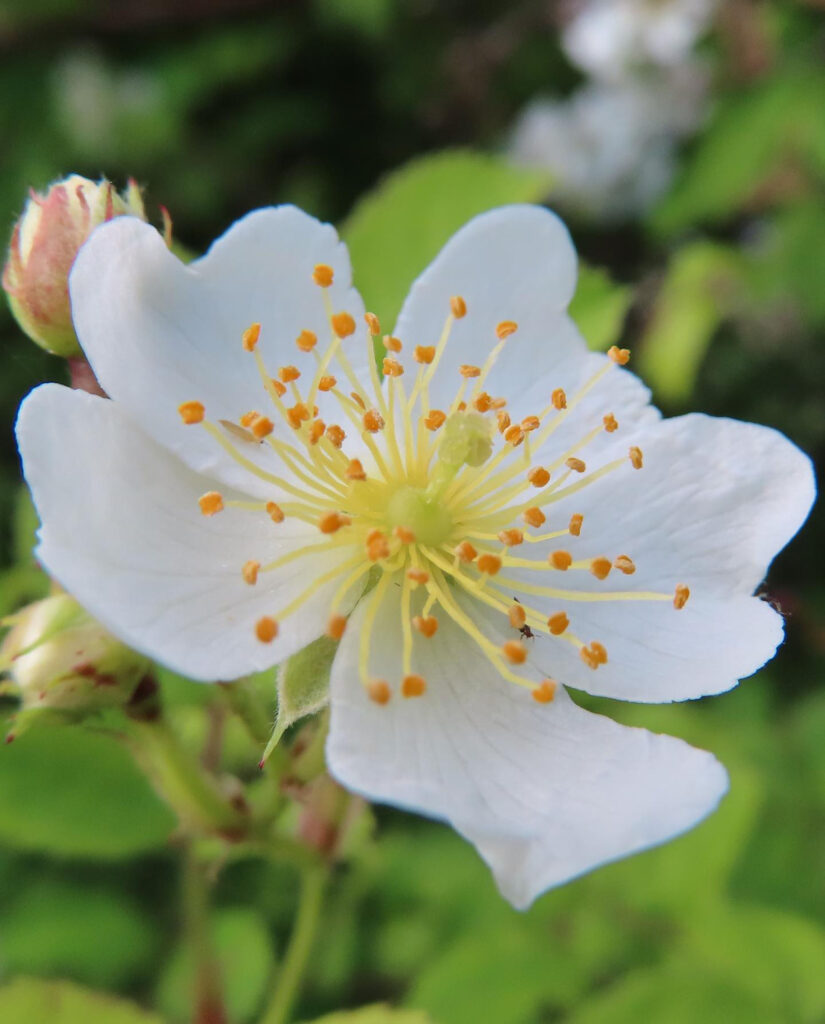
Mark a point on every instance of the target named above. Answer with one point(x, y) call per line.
point(515, 264)
point(714, 502)
point(159, 333)
point(122, 531)
point(545, 792)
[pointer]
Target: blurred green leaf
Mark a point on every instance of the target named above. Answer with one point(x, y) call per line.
point(34, 1001)
point(70, 791)
point(599, 307)
point(89, 933)
point(397, 229)
point(697, 292)
point(245, 958)
point(789, 262)
point(378, 1014)
point(25, 522)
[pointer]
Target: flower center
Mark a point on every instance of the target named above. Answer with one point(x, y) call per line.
point(435, 499)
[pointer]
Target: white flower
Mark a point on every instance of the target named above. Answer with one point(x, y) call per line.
point(609, 38)
point(557, 504)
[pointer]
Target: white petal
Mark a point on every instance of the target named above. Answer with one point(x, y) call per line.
point(123, 532)
point(715, 501)
point(515, 263)
point(159, 333)
point(545, 792)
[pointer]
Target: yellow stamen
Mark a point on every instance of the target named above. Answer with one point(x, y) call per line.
point(561, 560)
point(335, 434)
point(600, 567)
point(331, 522)
point(306, 341)
point(511, 537)
point(425, 624)
point(416, 575)
point(534, 517)
point(249, 571)
point(191, 412)
point(558, 623)
point(506, 328)
point(266, 629)
point(327, 383)
point(465, 552)
point(488, 564)
point(538, 476)
point(342, 324)
point(575, 526)
point(288, 373)
point(458, 307)
point(434, 419)
point(373, 324)
point(545, 691)
point(576, 465)
point(610, 424)
point(558, 399)
point(392, 368)
point(620, 356)
point(392, 344)
point(517, 616)
point(636, 459)
point(413, 686)
point(514, 652)
point(249, 338)
point(274, 511)
point(468, 371)
point(625, 565)
point(424, 354)
point(681, 596)
point(323, 275)
point(378, 690)
point(355, 470)
point(373, 421)
point(210, 503)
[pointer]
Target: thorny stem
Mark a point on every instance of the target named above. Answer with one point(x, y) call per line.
point(313, 882)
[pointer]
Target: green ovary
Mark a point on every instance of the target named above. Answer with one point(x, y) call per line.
point(428, 518)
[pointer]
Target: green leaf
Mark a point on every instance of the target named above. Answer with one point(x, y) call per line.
point(378, 1014)
point(303, 685)
point(599, 307)
point(697, 293)
point(86, 932)
point(35, 1001)
point(70, 791)
point(396, 230)
point(24, 526)
point(245, 957)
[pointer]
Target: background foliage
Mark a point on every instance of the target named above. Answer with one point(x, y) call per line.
point(222, 105)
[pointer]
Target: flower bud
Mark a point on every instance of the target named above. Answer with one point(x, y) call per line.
point(59, 657)
point(44, 244)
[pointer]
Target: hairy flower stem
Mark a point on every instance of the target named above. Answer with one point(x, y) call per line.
point(313, 882)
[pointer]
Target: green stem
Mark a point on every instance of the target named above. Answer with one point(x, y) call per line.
point(313, 883)
point(208, 1004)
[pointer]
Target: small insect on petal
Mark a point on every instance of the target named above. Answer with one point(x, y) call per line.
point(336, 624)
point(249, 338)
point(681, 596)
point(210, 503)
point(378, 690)
point(558, 623)
point(544, 692)
point(506, 328)
point(249, 571)
point(514, 651)
point(560, 560)
point(191, 412)
point(323, 275)
point(413, 686)
point(342, 324)
point(266, 629)
point(425, 624)
point(458, 307)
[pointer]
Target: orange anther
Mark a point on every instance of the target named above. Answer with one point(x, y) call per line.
point(534, 516)
point(418, 576)
point(266, 629)
point(434, 419)
point(335, 434)
point(322, 275)
point(249, 571)
point(359, 401)
point(289, 373)
point(306, 341)
point(600, 567)
point(458, 307)
point(561, 560)
point(342, 324)
point(249, 418)
point(392, 344)
point(514, 435)
point(391, 367)
point(379, 691)
point(575, 525)
point(404, 534)
point(297, 415)
point(413, 686)
point(514, 651)
point(575, 464)
point(610, 423)
point(373, 324)
point(355, 470)
point(249, 338)
point(336, 624)
point(506, 328)
point(465, 552)
point(538, 476)
point(619, 355)
point(503, 420)
point(373, 421)
point(558, 623)
point(511, 537)
point(636, 459)
point(327, 383)
point(625, 565)
point(316, 431)
point(278, 387)
point(467, 370)
point(558, 399)
point(517, 616)
point(331, 522)
point(274, 511)
point(530, 423)
point(545, 691)
point(599, 652)
point(377, 545)
point(191, 412)
point(424, 353)
point(261, 427)
point(489, 564)
point(482, 402)
point(425, 624)
point(681, 596)
point(210, 503)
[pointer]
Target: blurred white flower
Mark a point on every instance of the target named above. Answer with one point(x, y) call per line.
point(504, 514)
point(609, 38)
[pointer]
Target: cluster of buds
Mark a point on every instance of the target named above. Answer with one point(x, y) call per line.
point(44, 244)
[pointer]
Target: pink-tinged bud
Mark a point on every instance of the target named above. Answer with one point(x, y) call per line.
point(43, 247)
point(57, 656)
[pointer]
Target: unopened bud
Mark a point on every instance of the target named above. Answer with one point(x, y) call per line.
point(44, 244)
point(57, 656)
